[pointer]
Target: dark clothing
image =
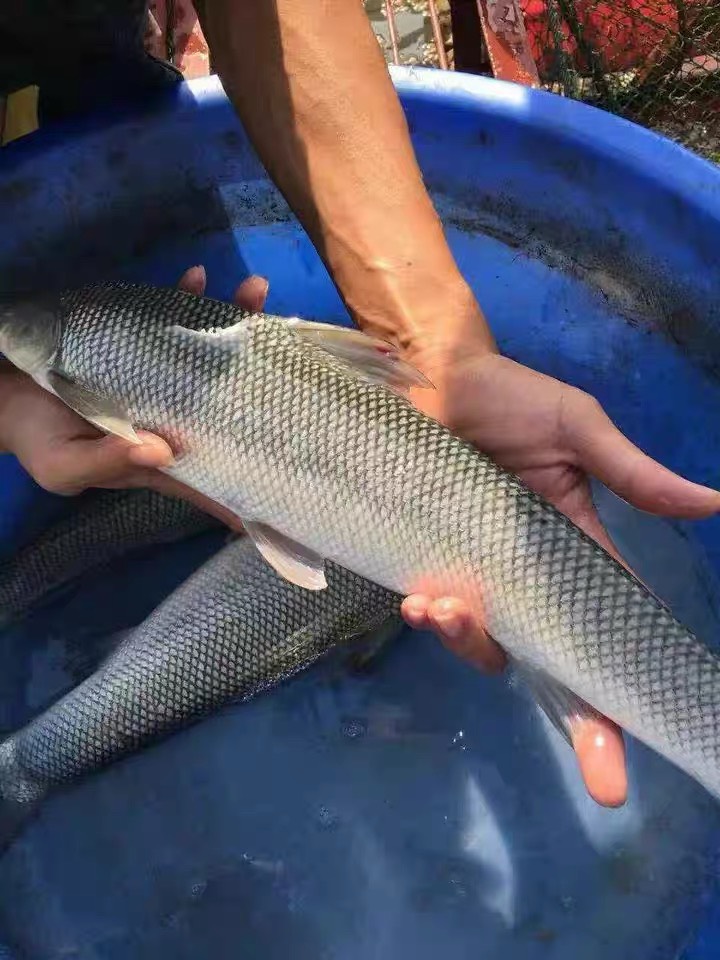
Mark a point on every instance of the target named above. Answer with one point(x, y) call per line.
point(80, 53)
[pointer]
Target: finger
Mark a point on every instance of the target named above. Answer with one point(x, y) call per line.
point(193, 281)
point(453, 623)
point(600, 751)
point(153, 452)
point(71, 466)
point(604, 452)
point(580, 508)
point(252, 294)
point(578, 505)
point(597, 741)
point(414, 610)
point(464, 636)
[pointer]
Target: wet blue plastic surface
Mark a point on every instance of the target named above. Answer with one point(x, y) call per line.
point(419, 811)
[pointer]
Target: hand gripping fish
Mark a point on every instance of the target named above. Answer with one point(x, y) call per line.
point(302, 430)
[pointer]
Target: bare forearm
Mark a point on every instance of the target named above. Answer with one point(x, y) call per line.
point(314, 93)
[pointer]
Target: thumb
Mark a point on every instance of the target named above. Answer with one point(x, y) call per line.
point(605, 453)
point(75, 465)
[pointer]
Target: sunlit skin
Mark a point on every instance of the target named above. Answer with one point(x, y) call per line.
point(600, 752)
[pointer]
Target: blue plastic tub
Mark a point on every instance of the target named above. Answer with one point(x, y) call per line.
point(421, 810)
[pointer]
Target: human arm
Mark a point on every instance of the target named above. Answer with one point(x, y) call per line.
point(312, 89)
point(314, 94)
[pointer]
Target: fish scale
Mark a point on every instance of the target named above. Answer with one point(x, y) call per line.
point(106, 525)
point(286, 424)
point(234, 628)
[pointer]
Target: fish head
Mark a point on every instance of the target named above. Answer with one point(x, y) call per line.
point(30, 334)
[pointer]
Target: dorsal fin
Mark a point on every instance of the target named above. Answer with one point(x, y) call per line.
point(231, 338)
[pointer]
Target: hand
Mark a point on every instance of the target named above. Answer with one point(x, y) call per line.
point(66, 455)
point(554, 437)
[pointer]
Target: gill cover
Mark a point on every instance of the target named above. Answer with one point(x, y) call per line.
point(30, 332)
point(29, 335)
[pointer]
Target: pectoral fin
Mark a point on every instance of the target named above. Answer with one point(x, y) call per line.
point(291, 560)
point(104, 414)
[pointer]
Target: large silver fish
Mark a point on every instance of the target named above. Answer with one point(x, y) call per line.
point(104, 525)
point(234, 628)
point(301, 429)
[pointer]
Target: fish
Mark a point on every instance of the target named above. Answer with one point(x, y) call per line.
point(103, 526)
point(232, 630)
point(306, 431)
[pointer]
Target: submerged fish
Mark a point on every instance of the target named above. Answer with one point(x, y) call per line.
point(104, 525)
point(301, 429)
point(231, 630)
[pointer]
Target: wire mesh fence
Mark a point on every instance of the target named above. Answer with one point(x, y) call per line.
point(656, 62)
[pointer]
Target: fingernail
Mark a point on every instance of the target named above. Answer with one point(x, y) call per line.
point(151, 450)
point(262, 292)
point(446, 617)
point(450, 625)
point(601, 757)
point(148, 456)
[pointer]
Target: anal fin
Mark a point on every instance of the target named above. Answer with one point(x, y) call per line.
point(291, 560)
